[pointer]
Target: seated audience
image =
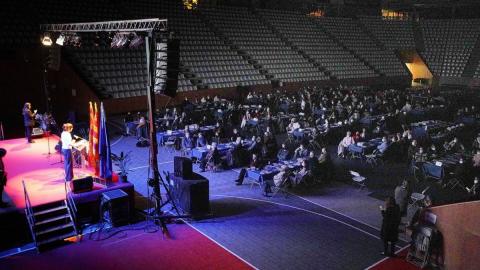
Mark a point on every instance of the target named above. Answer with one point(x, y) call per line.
point(454, 146)
point(212, 157)
point(383, 146)
point(474, 190)
point(283, 154)
point(300, 152)
point(201, 140)
point(187, 143)
point(300, 175)
point(344, 144)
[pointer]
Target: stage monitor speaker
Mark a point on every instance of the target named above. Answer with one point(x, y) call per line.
point(182, 167)
point(115, 207)
point(81, 185)
point(191, 196)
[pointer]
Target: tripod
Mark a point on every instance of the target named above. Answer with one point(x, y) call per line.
point(158, 216)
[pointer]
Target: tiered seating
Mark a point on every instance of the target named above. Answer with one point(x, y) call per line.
point(18, 27)
point(351, 35)
point(57, 11)
point(308, 37)
point(252, 36)
point(448, 45)
point(116, 72)
point(394, 34)
point(202, 52)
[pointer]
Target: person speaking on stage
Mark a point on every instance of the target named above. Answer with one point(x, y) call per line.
point(28, 120)
point(67, 142)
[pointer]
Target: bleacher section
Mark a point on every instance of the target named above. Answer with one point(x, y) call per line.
point(256, 40)
point(394, 34)
point(310, 39)
point(348, 32)
point(449, 44)
point(226, 47)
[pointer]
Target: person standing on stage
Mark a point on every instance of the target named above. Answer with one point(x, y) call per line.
point(28, 120)
point(67, 143)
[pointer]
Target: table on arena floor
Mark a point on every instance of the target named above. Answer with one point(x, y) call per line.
point(201, 152)
point(162, 137)
point(440, 167)
point(267, 172)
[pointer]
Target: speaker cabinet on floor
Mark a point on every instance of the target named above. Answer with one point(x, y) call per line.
point(192, 195)
point(182, 167)
point(115, 207)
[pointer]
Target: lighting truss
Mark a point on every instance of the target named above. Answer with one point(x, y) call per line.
point(144, 25)
point(152, 27)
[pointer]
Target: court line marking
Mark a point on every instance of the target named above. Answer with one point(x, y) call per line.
point(117, 141)
point(386, 258)
point(146, 166)
point(341, 214)
point(361, 222)
point(222, 246)
point(301, 209)
point(308, 211)
point(317, 204)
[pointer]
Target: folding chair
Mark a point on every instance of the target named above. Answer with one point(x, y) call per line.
point(416, 199)
point(170, 144)
point(358, 179)
point(374, 158)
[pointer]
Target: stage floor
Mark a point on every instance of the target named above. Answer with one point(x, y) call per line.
point(43, 174)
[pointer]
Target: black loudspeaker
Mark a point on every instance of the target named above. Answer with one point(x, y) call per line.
point(173, 65)
point(191, 196)
point(182, 167)
point(81, 184)
point(115, 207)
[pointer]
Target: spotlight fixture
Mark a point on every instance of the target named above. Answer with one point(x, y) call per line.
point(60, 40)
point(47, 40)
point(119, 40)
point(75, 40)
point(136, 41)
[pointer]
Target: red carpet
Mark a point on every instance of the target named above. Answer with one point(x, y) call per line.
point(187, 249)
point(397, 263)
point(30, 162)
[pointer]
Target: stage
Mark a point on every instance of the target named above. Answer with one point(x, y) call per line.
point(43, 174)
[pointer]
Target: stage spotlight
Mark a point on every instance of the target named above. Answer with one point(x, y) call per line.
point(136, 41)
point(60, 39)
point(119, 40)
point(75, 40)
point(47, 40)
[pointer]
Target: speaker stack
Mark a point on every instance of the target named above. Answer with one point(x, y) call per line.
point(190, 190)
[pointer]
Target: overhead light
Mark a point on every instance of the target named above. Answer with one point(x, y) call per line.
point(119, 40)
point(47, 40)
point(75, 40)
point(136, 41)
point(61, 39)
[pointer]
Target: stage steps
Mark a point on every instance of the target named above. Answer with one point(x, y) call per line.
point(51, 223)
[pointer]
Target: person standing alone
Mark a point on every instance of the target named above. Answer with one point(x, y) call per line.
point(67, 143)
point(28, 120)
point(391, 221)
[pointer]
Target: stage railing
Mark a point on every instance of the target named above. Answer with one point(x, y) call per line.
point(29, 212)
point(71, 202)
